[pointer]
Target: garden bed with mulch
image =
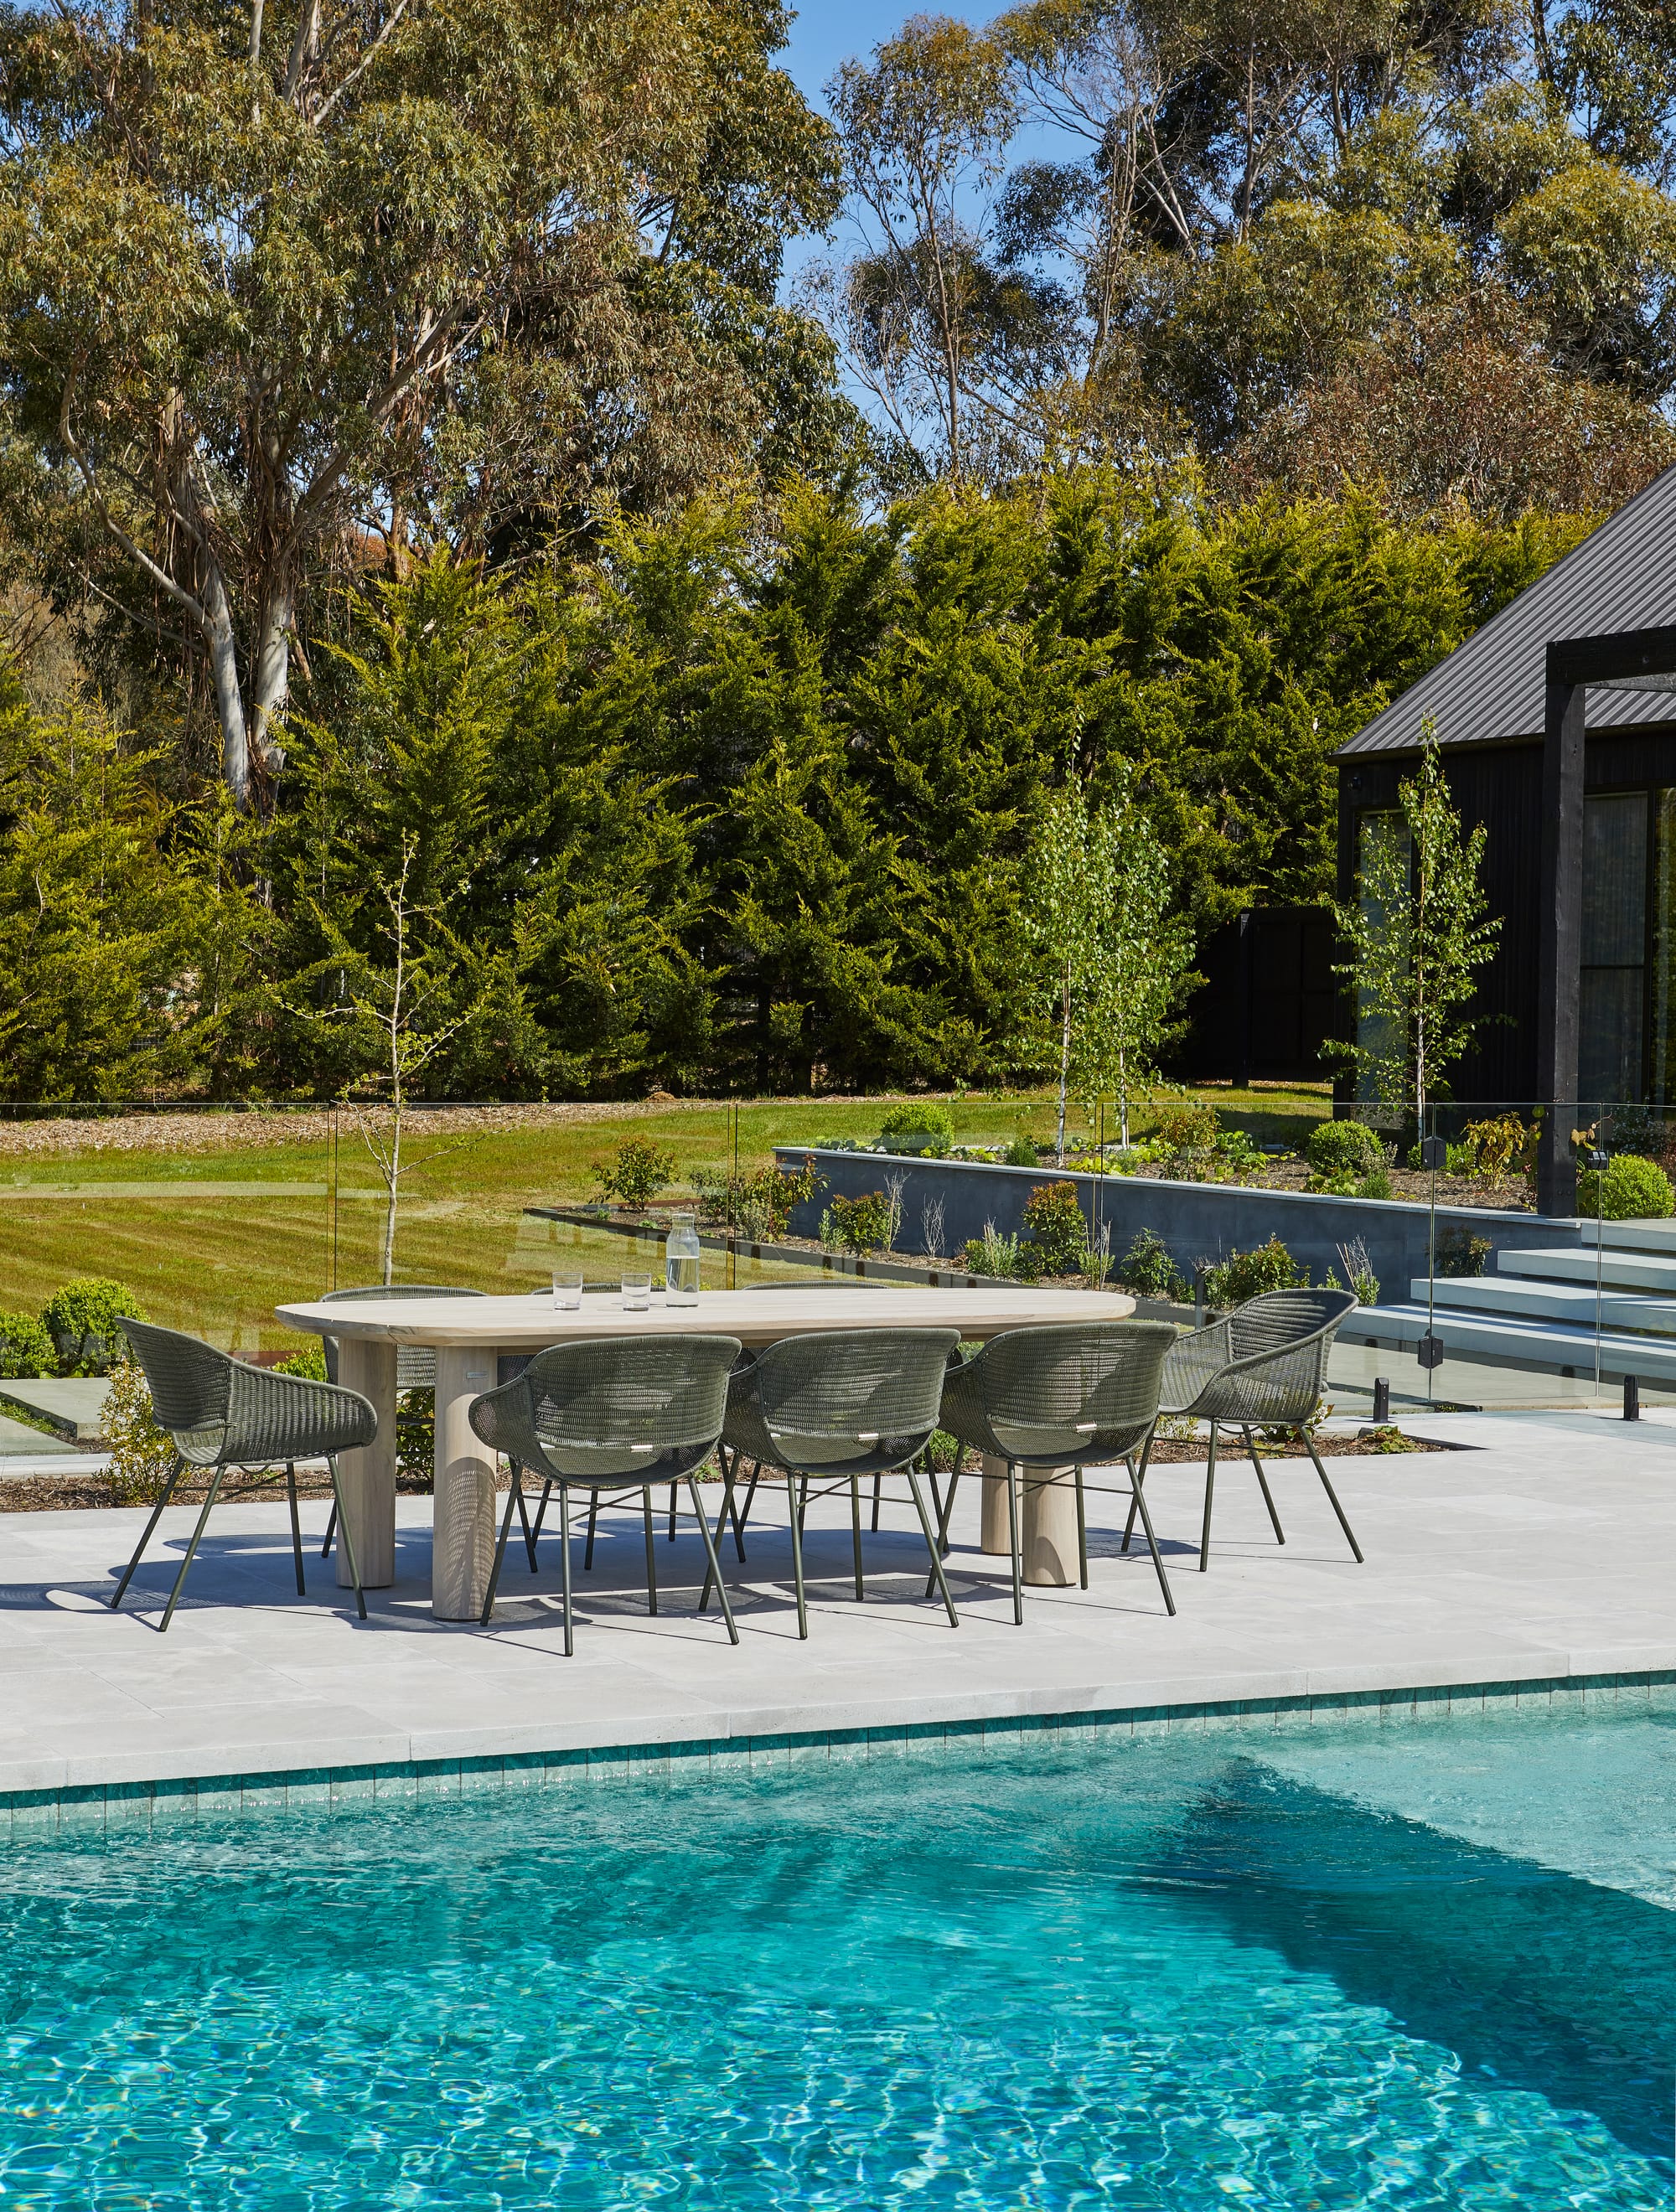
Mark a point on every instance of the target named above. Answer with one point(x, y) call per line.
point(1366, 1443)
point(71, 1492)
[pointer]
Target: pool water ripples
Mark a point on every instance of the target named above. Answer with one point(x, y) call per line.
point(1166, 1974)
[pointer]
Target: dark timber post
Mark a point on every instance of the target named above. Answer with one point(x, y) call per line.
point(1561, 943)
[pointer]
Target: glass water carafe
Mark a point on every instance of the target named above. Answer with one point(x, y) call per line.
point(681, 1261)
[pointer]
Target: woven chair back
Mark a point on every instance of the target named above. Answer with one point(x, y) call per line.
point(1277, 1320)
point(1059, 1394)
point(618, 1407)
point(190, 1383)
point(416, 1363)
point(822, 1395)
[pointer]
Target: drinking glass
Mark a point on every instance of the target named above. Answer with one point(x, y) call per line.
point(568, 1290)
point(636, 1293)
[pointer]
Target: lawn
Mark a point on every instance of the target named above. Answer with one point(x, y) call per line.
point(212, 1220)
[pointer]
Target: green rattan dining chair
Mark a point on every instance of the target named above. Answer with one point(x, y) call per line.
point(1066, 1395)
point(615, 1414)
point(416, 1363)
point(224, 1413)
point(1264, 1365)
point(831, 1408)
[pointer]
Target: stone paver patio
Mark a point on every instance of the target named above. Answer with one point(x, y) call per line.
point(1546, 1551)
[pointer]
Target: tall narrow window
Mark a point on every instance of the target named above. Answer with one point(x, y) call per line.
point(1613, 978)
point(1377, 833)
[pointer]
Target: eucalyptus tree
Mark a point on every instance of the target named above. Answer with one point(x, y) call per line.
point(289, 286)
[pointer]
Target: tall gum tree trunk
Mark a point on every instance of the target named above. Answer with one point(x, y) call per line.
point(229, 700)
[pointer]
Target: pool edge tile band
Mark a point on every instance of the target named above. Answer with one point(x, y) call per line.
point(30, 1813)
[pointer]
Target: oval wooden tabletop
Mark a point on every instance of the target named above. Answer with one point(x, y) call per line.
point(762, 1316)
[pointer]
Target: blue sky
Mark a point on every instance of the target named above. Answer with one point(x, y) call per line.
point(825, 34)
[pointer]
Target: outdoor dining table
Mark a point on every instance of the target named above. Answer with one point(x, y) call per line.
point(469, 1334)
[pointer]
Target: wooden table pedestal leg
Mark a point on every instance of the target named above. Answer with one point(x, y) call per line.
point(368, 1477)
point(463, 1532)
point(993, 1529)
point(1049, 1539)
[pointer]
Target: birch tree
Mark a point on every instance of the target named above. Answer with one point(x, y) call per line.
point(1119, 960)
point(400, 1012)
point(1415, 938)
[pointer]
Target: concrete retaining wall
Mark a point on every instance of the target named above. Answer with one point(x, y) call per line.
point(1196, 1220)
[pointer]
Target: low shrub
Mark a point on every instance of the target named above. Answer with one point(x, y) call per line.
point(992, 1254)
point(141, 1454)
point(1344, 1148)
point(1459, 1253)
point(636, 1172)
point(1628, 1188)
point(1021, 1153)
point(1147, 1269)
point(758, 1205)
point(1499, 1146)
point(1376, 1183)
point(1190, 1126)
point(1245, 1275)
point(24, 1346)
point(310, 1364)
point(861, 1224)
point(918, 1128)
point(81, 1320)
point(1055, 1234)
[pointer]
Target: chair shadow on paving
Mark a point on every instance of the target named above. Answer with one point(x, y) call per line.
point(244, 1569)
point(1532, 1977)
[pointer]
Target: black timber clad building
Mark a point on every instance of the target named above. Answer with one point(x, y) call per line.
point(1556, 726)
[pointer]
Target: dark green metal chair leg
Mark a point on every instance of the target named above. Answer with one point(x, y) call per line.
point(564, 1552)
point(541, 1510)
point(524, 1519)
point(714, 1565)
point(332, 1530)
point(192, 1548)
point(672, 1512)
point(722, 1513)
point(750, 1499)
point(945, 1508)
point(1333, 1497)
point(1012, 1535)
point(650, 1553)
point(878, 1487)
point(855, 1535)
point(296, 1526)
point(180, 1469)
point(930, 1546)
point(1263, 1483)
point(348, 1540)
point(1082, 1530)
point(593, 1517)
point(1152, 1547)
point(1210, 1493)
point(797, 1558)
point(514, 1499)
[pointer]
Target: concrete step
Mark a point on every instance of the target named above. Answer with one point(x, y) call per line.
point(1554, 1347)
point(1525, 1300)
point(1632, 1236)
point(1616, 1270)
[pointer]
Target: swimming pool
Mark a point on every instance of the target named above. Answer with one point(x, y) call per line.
point(1347, 1969)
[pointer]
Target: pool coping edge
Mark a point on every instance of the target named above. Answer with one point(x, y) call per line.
point(27, 1811)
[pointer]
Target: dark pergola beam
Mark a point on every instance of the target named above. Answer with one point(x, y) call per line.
point(1573, 664)
point(1583, 661)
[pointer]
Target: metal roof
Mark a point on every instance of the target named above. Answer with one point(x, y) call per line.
point(1622, 577)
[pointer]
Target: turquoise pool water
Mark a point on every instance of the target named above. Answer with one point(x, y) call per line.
point(1395, 1969)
